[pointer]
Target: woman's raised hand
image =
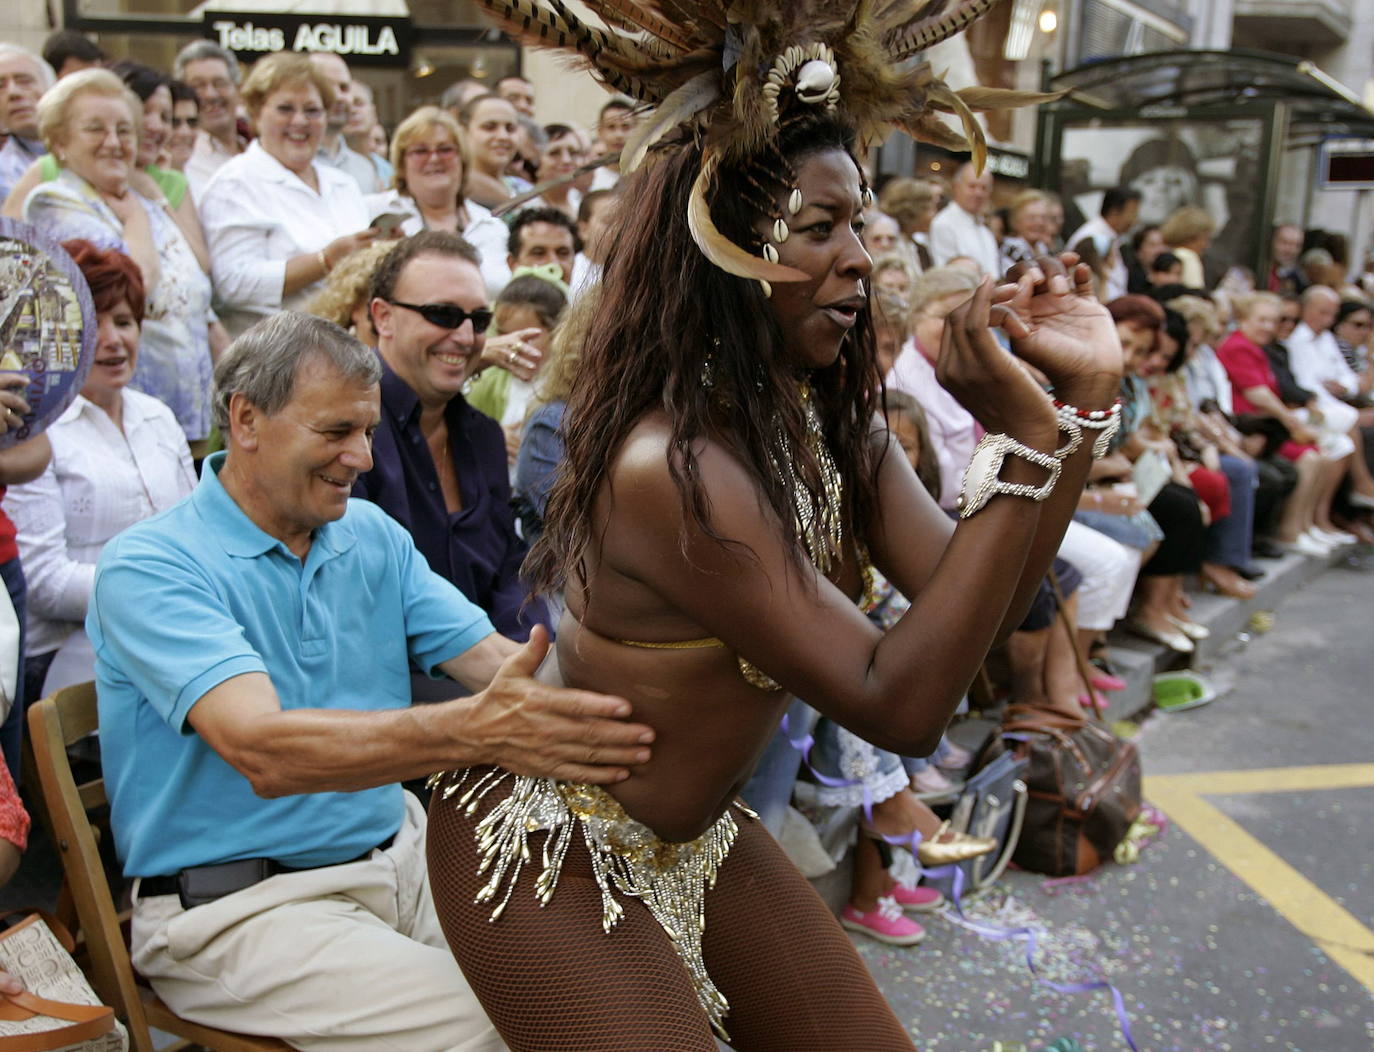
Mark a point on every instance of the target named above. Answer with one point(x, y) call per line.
point(992, 385)
point(13, 408)
point(342, 247)
point(513, 352)
point(1057, 325)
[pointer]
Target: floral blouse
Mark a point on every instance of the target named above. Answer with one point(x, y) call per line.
point(174, 349)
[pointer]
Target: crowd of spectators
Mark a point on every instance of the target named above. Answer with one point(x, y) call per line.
point(208, 201)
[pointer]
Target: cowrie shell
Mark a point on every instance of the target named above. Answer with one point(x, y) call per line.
point(770, 253)
point(794, 202)
point(814, 81)
point(780, 231)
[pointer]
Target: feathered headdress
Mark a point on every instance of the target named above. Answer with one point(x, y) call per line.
point(735, 70)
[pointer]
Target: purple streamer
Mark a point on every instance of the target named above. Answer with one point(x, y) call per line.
point(955, 875)
point(998, 934)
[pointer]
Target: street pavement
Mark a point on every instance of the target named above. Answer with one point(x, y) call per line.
point(1246, 925)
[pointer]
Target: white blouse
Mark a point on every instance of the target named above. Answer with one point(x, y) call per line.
point(99, 482)
point(257, 214)
point(484, 232)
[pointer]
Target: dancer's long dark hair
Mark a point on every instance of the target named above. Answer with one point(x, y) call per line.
point(676, 333)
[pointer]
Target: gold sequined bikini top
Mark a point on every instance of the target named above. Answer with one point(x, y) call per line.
point(752, 674)
point(823, 535)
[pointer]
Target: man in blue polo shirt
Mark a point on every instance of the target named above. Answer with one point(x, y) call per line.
point(252, 652)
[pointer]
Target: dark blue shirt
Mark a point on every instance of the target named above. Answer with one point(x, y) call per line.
point(477, 547)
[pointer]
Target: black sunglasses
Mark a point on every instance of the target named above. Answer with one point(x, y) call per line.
point(447, 316)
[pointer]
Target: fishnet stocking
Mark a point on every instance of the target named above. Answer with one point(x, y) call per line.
point(552, 981)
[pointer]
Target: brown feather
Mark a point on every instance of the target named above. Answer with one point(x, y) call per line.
point(934, 24)
point(928, 127)
point(631, 13)
point(506, 207)
point(982, 99)
point(683, 104)
point(941, 98)
point(558, 29)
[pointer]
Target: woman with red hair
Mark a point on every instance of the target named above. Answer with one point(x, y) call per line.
point(118, 456)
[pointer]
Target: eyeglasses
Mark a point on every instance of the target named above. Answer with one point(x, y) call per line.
point(422, 153)
point(447, 316)
point(185, 122)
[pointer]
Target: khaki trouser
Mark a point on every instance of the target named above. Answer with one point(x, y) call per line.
point(342, 958)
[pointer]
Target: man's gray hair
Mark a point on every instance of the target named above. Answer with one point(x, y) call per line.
point(263, 363)
point(202, 49)
point(40, 64)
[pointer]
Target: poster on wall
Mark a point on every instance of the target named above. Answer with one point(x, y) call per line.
point(1213, 164)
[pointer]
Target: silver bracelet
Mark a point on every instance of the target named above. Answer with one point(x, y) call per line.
point(981, 477)
point(1072, 421)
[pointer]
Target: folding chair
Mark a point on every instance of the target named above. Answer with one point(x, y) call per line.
point(54, 724)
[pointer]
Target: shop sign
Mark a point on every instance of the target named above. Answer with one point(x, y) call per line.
point(361, 40)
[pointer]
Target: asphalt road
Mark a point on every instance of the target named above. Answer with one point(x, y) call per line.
point(1247, 924)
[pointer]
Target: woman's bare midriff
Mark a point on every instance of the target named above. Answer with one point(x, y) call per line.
point(709, 724)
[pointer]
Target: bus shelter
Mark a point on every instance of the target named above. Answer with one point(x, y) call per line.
point(1247, 135)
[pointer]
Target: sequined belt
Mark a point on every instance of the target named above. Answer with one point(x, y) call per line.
point(627, 858)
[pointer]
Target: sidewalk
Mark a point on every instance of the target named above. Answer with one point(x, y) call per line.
point(1138, 660)
point(1221, 937)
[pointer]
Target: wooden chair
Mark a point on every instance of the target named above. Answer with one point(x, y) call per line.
point(54, 724)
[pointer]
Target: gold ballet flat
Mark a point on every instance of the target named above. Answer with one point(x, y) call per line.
point(947, 846)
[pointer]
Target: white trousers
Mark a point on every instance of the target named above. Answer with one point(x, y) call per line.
point(1109, 570)
point(343, 958)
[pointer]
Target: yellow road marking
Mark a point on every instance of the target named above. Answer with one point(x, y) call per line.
point(1339, 934)
point(1271, 780)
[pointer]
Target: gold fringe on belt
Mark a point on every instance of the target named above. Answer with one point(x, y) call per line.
point(671, 879)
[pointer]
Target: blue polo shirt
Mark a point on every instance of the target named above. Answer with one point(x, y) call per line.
point(198, 595)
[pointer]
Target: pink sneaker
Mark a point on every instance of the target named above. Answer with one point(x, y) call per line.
point(1105, 681)
point(886, 924)
point(919, 899)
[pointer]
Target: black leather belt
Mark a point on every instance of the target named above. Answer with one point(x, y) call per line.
point(201, 884)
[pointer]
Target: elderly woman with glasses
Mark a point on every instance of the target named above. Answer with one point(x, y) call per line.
point(277, 220)
point(91, 123)
point(431, 161)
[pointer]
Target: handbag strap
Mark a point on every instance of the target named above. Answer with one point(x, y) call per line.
point(85, 1022)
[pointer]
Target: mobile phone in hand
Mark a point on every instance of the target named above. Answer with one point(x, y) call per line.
point(389, 223)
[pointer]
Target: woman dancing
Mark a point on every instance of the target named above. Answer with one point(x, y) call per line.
point(727, 484)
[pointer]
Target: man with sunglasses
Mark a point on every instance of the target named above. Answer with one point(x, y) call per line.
point(439, 466)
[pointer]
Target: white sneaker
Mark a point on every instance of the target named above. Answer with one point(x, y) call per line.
point(1336, 538)
point(1308, 544)
point(1360, 500)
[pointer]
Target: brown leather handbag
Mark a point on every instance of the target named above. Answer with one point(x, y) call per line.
point(1083, 789)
